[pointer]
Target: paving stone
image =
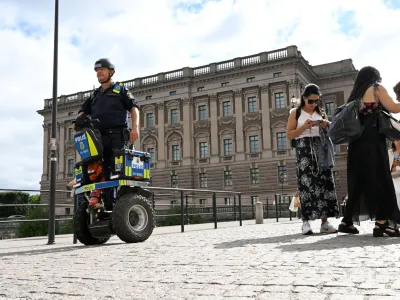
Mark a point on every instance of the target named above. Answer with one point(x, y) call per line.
point(266, 261)
point(348, 297)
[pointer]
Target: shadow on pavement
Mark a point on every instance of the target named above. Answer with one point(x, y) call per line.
point(53, 249)
point(342, 242)
point(267, 240)
point(295, 242)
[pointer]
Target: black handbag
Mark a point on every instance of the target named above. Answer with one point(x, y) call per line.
point(388, 125)
point(345, 126)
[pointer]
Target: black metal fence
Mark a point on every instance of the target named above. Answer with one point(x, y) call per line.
point(188, 206)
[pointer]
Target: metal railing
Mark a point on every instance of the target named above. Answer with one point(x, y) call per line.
point(278, 208)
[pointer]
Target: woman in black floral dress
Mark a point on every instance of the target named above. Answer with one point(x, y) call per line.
point(316, 184)
point(371, 194)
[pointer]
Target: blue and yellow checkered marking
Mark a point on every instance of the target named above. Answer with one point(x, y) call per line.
point(108, 184)
point(85, 145)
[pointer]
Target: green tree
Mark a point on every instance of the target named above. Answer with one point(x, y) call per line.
point(13, 198)
point(36, 228)
point(34, 199)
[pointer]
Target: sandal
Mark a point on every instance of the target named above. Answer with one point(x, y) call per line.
point(347, 228)
point(381, 229)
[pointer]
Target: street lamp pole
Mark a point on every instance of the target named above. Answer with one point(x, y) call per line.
point(282, 179)
point(53, 141)
point(293, 101)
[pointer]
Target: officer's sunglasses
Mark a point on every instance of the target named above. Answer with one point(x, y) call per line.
point(312, 101)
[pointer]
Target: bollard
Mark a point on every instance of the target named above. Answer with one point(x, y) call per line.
point(259, 213)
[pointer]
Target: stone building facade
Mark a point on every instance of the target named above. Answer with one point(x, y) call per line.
point(220, 126)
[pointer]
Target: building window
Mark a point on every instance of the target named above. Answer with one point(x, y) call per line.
point(172, 93)
point(203, 180)
point(152, 154)
point(226, 108)
point(254, 176)
point(200, 88)
point(251, 79)
point(148, 97)
point(67, 210)
point(149, 120)
point(228, 147)
point(228, 178)
point(202, 113)
point(330, 108)
point(175, 153)
point(174, 180)
point(253, 144)
point(203, 202)
point(279, 100)
point(227, 201)
point(254, 199)
point(277, 74)
point(174, 116)
point(70, 134)
point(71, 166)
point(252, 104)
point(203, 147)
point(224, 84)
point(282, 174)
point(281, 141)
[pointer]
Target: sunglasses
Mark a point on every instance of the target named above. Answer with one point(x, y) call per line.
point(312, 101)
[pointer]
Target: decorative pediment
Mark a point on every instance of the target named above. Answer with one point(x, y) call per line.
point(279, 113)
point(149, 108)
point(201, 127)
point(279, 124)
point(148, 131)
point(173, 103)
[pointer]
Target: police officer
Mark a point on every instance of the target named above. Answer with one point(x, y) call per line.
point(109, 104)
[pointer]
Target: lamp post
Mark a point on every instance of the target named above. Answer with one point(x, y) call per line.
point(53, 142)
point(293, 101)
point(282, 179)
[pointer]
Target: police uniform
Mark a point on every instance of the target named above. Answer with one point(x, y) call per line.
point(110, 107)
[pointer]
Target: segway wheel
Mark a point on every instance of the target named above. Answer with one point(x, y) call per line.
point(133, 218)
point(81, 229)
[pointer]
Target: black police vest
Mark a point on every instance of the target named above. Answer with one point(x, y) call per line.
point(108, 107)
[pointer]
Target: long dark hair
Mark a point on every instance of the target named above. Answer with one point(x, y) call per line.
point(366, 77)
point(311, 89)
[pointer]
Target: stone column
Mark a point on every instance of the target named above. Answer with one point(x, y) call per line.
point(161, 154)
point(266, 122)
point(240, 140)
point(61, 152)
point(188, 150)
point(214, 155)
point(45, 173)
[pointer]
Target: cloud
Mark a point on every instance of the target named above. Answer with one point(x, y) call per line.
point(148, 37)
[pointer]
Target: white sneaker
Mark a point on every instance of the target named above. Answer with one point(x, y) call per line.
point(328, 228)
point(306, 228)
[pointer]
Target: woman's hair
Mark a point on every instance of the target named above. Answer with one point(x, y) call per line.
point(396, 88)
point(311, 89)
point(366, 77)
point(393, 147)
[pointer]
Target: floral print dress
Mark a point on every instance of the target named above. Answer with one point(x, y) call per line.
point(316, 186)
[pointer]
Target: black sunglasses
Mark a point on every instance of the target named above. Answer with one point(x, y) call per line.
point(312, 101)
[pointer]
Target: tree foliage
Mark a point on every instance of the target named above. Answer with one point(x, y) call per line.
point(13, 198)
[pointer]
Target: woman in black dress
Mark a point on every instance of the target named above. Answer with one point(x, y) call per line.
point(371, 193)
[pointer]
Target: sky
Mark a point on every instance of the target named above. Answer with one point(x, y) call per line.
point(147, 37)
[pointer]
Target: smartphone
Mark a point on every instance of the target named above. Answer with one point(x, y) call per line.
point(316, 123)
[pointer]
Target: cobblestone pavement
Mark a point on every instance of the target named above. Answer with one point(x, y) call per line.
point(269, 261)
